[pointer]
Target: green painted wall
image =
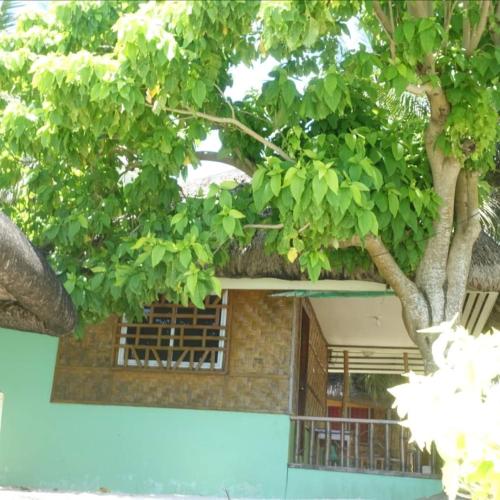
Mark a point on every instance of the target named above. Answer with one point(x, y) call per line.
point(152, 450)
point(135, 450)
point(305, 484)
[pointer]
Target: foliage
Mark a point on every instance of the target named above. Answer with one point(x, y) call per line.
point(7, 13)
point(377, 385)
point(103, 105)
point(457, 408)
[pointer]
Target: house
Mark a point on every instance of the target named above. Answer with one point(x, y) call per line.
point(230, 400)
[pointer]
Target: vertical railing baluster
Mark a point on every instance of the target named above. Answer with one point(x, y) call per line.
point(311, 443)
point(348, 445)
point(356, 445)
point(342, 444)
point(327, 443)
point(402, 448)
point(386, 448)
point(297, 440)
point(433, 459)
point(370, 445)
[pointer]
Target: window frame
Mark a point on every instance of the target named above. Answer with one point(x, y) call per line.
point(183, 366)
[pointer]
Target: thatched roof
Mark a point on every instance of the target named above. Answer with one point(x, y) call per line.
point(31, 296)
point(253, 262)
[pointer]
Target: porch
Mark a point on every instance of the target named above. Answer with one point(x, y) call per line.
point(376, 446)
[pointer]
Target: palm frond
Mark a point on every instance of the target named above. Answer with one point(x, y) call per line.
point(8, 10)
point(404, 107)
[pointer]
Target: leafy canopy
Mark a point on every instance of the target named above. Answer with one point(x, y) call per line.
point(103, 105)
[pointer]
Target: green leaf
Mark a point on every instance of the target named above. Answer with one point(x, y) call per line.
point(393, 203)
point(289, 92)
point(332, 180)
point(345, 199)
point(330, 84)
point(356, 194)
point(292, 254)
point(236, 214)
point(157, 255)
point(334, 100)
point(350, 140)
point(216, 286)
point(364, 222)
point(228, 185)
point(191, 282)
point(258, 178)
point(427, 38)
point(199, 93)
point(73, 228)
point(276, 184)
point(69, 285)
point(289, 175)
point(83, 221)
point(185, 257)
point(397, 150)
point(297, 187)
point(319, 189)
point(409, 30)
point(229, 224)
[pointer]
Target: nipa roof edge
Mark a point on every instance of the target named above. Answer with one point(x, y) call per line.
point(31, 296)
point(253, 261)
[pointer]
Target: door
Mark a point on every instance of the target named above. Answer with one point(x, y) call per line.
point(303, 362)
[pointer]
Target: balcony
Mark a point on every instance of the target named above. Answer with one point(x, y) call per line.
point(358, 445)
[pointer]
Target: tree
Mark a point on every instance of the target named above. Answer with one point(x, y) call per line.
point(104, 103)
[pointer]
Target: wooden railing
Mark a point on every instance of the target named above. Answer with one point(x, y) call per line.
point(358, 445)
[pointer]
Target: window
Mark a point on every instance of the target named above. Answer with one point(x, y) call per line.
point(175, 337)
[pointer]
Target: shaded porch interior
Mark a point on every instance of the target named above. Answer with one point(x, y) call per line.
point(366, 342)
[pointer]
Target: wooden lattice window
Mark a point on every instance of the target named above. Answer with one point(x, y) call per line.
point(175, 337)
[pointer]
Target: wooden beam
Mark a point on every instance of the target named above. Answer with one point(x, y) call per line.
point(345, 392)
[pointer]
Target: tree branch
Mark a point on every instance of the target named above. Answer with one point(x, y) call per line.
point(418, 90)
point(466, 29)
point(431, 272)
point(421, 9)
point(387, 25)
point(263, 226)
point(449, 6)
point(235, 123)
point(245, 165)
point(467, 230)
point(478, 31)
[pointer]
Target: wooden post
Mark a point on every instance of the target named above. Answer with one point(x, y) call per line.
point(345, 393)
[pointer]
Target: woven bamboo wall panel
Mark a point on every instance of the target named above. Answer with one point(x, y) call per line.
point(257, 377)
point(94, 350)
point(81, 385)
point(260, 334)
point(317, 368)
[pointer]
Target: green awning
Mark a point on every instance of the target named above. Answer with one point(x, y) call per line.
point(322, 294)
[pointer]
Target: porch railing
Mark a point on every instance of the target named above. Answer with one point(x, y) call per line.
point(358, 445)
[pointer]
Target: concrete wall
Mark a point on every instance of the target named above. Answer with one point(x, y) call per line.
point(308, 484)
point(127, 449)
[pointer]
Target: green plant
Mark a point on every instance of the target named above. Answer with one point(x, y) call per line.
point(457, 408)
